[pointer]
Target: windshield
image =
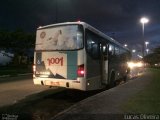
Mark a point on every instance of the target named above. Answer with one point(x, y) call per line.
point(68, 37)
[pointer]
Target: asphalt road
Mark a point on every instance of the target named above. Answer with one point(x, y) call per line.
point(17, 88)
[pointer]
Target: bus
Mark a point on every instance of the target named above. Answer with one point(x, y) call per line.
point(76, 55)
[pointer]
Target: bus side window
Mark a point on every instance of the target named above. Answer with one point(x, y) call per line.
point(105, 49)
point(111, 49)
point(117, 52)
point(92, 45)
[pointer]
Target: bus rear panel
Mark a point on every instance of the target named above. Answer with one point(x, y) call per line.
point(59, 57)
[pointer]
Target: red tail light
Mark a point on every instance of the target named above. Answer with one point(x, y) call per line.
point(81, 71)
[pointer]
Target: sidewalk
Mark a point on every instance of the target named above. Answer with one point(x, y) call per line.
point(105, 105)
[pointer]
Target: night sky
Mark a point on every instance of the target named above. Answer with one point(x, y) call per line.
point(117, 18)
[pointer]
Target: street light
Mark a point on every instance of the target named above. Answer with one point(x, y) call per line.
point(133, 50)
point(147, 50)
point(140, 56)
point(146, 43)
point(125, 45)
point(143, 20)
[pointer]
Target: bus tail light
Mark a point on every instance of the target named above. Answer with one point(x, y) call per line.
point(34, 68)
point(81, 71)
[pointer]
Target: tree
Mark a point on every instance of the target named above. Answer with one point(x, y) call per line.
point(154, 57)
point(19, 42)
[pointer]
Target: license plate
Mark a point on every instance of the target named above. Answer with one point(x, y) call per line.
point(52, 83)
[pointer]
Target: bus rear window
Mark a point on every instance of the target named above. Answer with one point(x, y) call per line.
point(68, 37)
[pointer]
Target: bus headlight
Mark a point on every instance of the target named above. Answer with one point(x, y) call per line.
point(139, 64)
point(132, 65)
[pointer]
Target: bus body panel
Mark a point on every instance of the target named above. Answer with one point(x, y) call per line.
point(93, 74)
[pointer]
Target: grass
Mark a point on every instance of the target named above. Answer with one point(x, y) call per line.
point(14, 70)
point(148, 100)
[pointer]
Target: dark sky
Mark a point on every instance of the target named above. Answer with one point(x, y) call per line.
point(117, 18)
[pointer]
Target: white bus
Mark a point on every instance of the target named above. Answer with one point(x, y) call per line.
point(75, 55)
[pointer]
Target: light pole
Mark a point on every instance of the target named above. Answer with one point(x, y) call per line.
point(143, 20)
point(56, 11)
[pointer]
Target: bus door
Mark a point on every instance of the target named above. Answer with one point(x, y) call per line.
point(104, 62)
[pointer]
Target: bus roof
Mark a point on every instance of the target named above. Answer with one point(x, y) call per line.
point(85, 25)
